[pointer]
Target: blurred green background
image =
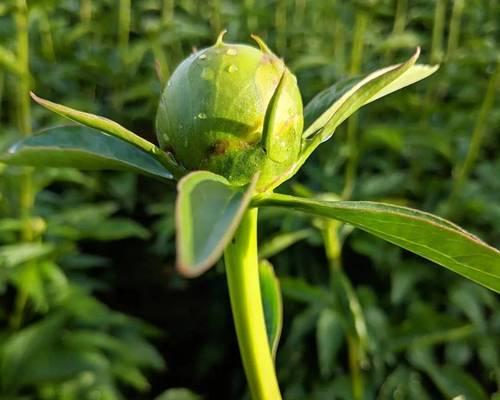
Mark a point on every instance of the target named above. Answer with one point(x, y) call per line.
point(90, 304)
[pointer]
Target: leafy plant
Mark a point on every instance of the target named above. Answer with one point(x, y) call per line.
point(218, 214)
point(57, 339)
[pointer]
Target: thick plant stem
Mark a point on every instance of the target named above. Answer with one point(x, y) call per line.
point(438, 31)
point(360, 26)
point(454, 27)
point(246, 303)
point(124, 18)
point(342, 287)
point(464, 169)
point(26, 195)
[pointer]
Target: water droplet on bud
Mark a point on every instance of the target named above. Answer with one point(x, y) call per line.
point(231, 52)
point(207, 74)
point(203, 57)
point(202, 116)
point(232, 68)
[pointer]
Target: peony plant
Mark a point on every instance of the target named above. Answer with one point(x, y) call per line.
point(231, 129)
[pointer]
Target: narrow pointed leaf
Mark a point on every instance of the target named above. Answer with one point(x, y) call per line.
point(419, 232)
point(334, 105)
point(208, 211)
point(278, 105)
point(282, 241)
point(272, 303)
point(111, 128)
point(337, 103)
point(85, 148)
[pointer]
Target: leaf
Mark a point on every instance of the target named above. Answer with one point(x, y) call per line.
point(272, 303)
point(281, 241)
point(208, 211)
point(299, 290)
point(112, 128)
point(351, 309)
point(451, 381)
point(422, 233)
point(55, 363)
point(277, 147)
point(329, 338)
point(349, 96)
point(16, 254)
point(178, 394)
point(84, 148)
point(23, 345)
point(326, 99)
point(334, 105)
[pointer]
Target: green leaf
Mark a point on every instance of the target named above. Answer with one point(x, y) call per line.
point(178, 394)
point(85, 148)
point(334, 105)
point(282, 241)
point(18, 349)
point(299, 290)
point(208, 211)
point(272, 303)
point(451, 381)
point(348, 97)
point(16, 254)
point(422, 233)
point(351, 309)
point(114, 129)
point(276, 146)
point(329, 338)
point(326, 99)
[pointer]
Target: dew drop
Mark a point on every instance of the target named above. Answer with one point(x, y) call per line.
point(232, 68)
point(207, 74)
point(231, 52)
point(202, 116)
point(203, 57)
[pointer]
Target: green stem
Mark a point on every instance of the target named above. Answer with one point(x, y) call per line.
point(339, 45)
point(280, 22)
point(352, 124)
point(124, 18)
point(356, 376)
point(2, 86)
point(343, 289)
point(455, 25)
point(251, 19)
point(246, 303)
point(360, 24)
point(216, 16)
point(353, 157)
point(438, 31)
point(167, 13)
point(46, 37)
point(463, 170)
point(26, 195)
point(399, 26)
point(400, 17)
point(85, 11)
point(24, 112)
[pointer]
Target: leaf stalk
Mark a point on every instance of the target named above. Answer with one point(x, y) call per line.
point(242, 271)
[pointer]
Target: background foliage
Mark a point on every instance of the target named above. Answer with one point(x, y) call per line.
point(90, 304)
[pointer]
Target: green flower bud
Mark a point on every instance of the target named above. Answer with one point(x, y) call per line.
point(234, 110)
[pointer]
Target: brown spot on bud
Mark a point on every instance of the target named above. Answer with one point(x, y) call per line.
point(218, 148)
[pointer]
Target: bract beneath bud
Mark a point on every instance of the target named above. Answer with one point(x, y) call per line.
point(234, 110)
